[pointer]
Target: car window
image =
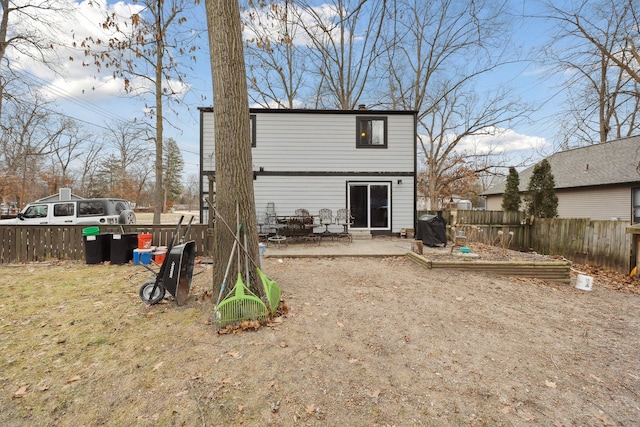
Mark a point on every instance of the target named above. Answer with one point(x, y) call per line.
point(91, 208)
point(36, 211)
point(63, 209)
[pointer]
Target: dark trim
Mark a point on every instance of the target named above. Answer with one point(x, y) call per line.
point(253, 129)
point(202, 172)
point(327, 173)
point(313, 111)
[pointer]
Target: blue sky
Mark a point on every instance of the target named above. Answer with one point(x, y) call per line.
point(95, 99)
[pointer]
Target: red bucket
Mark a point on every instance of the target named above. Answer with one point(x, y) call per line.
point(159, 254)
point(144, 241)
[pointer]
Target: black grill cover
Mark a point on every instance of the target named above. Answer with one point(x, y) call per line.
point(432, 230)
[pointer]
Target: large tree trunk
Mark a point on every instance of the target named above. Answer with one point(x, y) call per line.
point(234, 172)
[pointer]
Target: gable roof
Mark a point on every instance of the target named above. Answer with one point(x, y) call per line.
point(613, 162)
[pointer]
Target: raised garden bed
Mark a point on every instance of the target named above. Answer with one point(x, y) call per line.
point(496, 261)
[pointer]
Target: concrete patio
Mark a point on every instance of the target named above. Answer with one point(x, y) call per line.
point(377, 246)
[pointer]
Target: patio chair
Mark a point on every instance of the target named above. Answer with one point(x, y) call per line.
point(344, 218)
point(308, 224)
point(326, 219)
point(271, 208)
point(275, 226)
point(262, 219)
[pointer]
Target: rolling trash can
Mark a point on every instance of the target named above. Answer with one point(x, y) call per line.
point(122, 246)
point(96, 245)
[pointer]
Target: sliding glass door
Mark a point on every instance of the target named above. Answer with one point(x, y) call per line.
point(370, 205)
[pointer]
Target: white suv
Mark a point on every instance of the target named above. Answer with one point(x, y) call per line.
point(81, 211)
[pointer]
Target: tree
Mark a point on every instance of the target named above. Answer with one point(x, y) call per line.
point(145, 53)
point(132, 150)
point(345, 38)
point(594, 49)
point(276, 62)
point(233, 164)
point(511, 198)
point(23, 28)
point(173, 167)
point(437, 51)
point(541, 198)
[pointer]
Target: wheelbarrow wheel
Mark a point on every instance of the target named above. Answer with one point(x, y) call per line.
point(148, 295)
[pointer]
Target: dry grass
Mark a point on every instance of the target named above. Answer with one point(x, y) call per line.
point(368, 342)
point(167, 218)
point(80, 347)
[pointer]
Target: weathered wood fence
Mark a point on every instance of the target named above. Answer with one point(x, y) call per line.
point(581, 240)
point(44, 242)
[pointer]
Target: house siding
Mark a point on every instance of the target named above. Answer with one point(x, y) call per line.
point(320, 143)
point(596, 203)
point(314, 193)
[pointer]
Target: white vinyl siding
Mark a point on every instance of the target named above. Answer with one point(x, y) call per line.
point(314, 193)
point(320, 143)
point(594, 203)
point(597, 203)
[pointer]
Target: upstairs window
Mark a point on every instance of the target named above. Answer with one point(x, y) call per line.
point(371, 132)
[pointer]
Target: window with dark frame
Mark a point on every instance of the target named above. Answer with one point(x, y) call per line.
point(371, 132)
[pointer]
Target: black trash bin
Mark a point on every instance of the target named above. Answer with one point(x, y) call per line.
point(432, 230)
point(97, 248)
point(122, 246)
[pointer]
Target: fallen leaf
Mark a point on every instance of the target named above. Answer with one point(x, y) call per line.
point(283, 344)
point(234, 354)
point(74, 379)
point(352, 361)
point(550, 384)
point(310, 409)
point(157, 366)
point(506, 409)
point(374, 394)
point(595, 378)
point(340, 324)
point(44, 387)
point(318, 347)
point(21, 392)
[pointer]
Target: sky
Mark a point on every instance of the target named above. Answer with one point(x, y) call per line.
point(94, 99)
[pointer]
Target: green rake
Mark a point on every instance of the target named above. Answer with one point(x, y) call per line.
point(241, 304)
point(271, 290)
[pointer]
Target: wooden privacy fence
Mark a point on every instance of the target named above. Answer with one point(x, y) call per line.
point(581, 240)
point(585, 241)
point(44, 242)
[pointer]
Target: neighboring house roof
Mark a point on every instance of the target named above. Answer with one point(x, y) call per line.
point(614, 162)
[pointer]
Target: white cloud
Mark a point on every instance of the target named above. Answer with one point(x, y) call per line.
point(501, 141)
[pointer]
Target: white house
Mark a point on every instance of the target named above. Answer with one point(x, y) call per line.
point(599, 181)
point(362, 160)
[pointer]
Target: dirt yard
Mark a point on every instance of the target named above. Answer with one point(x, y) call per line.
point(367, 342)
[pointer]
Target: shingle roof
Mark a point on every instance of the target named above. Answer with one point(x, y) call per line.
point(613, 162)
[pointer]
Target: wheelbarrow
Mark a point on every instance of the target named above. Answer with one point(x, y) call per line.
point(175, 273)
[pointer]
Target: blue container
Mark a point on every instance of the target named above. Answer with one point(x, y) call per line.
point(142, 256)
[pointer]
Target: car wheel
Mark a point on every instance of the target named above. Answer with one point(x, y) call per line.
point(127, 217)
point(148, 295)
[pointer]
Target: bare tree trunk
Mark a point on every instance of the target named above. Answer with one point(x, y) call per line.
point(157, 192)
point(234, 174)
